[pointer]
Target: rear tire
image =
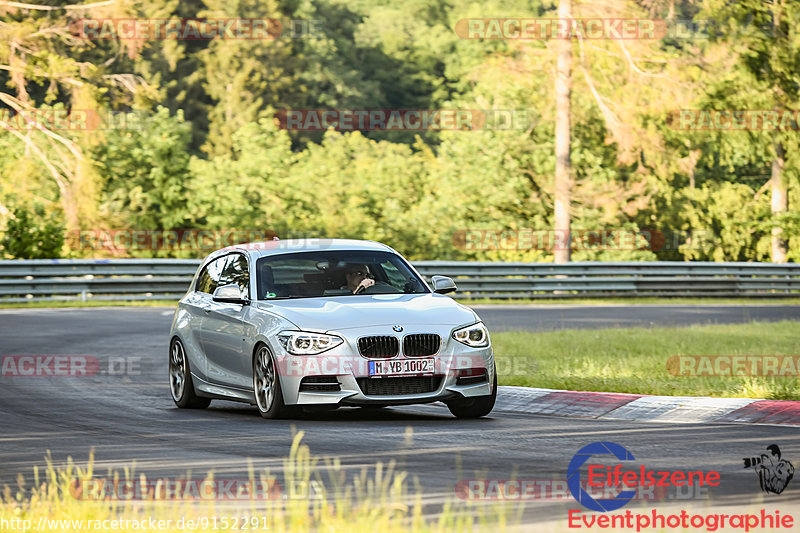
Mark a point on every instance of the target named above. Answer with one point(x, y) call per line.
point(267, 386)
point(474, 407)
point(180, 379)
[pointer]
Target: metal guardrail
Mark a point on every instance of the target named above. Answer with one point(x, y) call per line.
point(168, 279)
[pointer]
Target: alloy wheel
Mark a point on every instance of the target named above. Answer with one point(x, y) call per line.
point(264, 380)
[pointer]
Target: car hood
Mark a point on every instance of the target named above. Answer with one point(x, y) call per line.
point(346, 312)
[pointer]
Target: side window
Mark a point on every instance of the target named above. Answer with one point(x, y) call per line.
point(209, 277)
point(235, 271)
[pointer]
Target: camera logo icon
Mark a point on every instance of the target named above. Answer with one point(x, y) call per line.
point(774, 473)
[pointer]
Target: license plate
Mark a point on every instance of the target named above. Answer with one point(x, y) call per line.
point(401, 367)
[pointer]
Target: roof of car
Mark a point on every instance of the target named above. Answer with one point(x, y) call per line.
point(260, 249)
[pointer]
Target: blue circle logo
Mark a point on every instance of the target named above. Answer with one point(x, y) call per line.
point(574, 476)
point(398, 329)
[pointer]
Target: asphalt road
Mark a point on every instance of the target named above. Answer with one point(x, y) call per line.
point(130, 415)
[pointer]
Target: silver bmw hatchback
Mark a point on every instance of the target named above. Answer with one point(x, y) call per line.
point(285, 325)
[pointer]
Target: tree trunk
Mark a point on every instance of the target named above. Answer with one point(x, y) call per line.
point(779, 204)
point(563, 165)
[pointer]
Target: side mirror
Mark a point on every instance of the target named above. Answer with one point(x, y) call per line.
point(443, 284)
point(230, 294)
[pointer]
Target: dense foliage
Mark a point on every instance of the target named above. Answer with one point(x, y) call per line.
point(189, 138)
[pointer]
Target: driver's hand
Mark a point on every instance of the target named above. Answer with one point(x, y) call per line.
point(366, 282)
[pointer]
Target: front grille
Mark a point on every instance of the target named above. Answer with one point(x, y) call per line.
point(399, 386)
point(379, 346)
point(320, 384)
point(421, 344)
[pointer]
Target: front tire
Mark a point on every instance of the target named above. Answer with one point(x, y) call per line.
point(180, 379)
point(474, 407)
point(267, 386)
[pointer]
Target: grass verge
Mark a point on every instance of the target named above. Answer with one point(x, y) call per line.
point(634, 360)
point(377, 499)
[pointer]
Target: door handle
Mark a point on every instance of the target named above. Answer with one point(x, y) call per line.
point(207, 310)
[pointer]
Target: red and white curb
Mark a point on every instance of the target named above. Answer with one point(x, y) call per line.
point(639, 407)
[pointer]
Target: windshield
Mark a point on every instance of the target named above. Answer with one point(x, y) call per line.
point(335, 273)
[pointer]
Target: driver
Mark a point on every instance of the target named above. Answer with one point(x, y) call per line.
point(356, 277)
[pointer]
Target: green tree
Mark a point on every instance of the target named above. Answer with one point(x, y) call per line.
point(249, 188)
point(45, 64)
point(34, 234)
point(145, 172)
point(762, 37)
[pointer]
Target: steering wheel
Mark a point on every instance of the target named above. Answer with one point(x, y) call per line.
point(360, 289)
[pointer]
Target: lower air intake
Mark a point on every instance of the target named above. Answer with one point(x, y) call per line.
point(399, 386)
point(320, 384)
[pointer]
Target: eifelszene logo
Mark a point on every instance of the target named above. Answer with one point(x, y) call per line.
point(774, 473)
point(610, 477)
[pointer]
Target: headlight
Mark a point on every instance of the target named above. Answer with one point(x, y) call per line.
point(475, 335)
point(304, 343)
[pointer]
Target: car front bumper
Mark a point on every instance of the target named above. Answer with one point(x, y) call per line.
point(453, 363)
